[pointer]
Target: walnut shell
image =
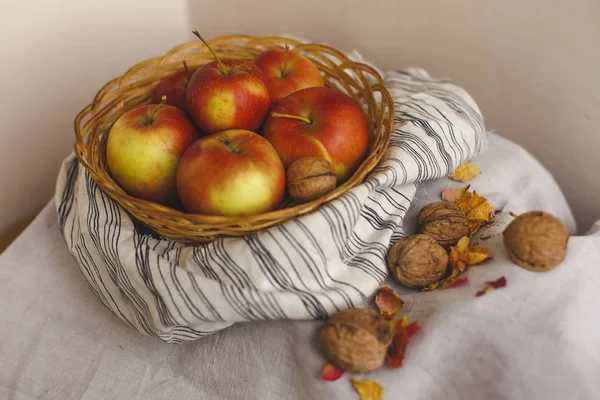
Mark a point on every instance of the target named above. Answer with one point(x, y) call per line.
point(443, 221)
point(309, 178)
point(356, 339)
point(536, 240)
point(417, 261)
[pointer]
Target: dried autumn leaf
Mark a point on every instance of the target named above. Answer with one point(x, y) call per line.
point(477, 209)
point(492, 285)
point(331, 373)
point(451, 194)
point(459, 258)
point(368, 390)
point(465, 172)
point(388, 302)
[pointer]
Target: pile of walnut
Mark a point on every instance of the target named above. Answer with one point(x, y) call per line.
point(535, 240)
point(357, 340)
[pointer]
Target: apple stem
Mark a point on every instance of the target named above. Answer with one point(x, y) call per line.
point(163, 101)
point(299, 118)
point(241, 142)
point(285, 59)
point(221, 66)
point(187, 73)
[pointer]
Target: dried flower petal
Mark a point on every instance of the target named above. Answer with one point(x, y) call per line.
point(498, 283)
point(413, 329)
point(388, 302)
point(477, 209)
point(492, 285)
point(397, 349)
point(465, 172)
point(454, 282)
point(512, 214)
point(368, 390)
point(331, 373)
point(451, 194)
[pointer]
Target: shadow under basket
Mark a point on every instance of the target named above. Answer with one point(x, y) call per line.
point(92, 124)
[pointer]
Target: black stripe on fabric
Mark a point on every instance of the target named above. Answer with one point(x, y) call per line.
point(68, 195)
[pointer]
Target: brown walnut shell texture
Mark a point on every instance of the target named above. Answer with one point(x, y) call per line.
point(443, 221)
point(536, 240)
point(356, 340)
point(309, 178)
point(417, 261)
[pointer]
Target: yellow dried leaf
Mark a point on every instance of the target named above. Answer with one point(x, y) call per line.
point(388, 302)
point(452, 194)
point(368, 390)
point(398, 324)
point(465, 172)
point(477, 255)
point(459, 258)
point(477, 209)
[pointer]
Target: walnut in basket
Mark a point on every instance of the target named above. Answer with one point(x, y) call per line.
point(309, 178)
point(417, 261)
point(443, 221)
point(536, 240)
point(356, 339)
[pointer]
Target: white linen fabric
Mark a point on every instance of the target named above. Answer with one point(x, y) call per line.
point(307, 268)
point(537, 338)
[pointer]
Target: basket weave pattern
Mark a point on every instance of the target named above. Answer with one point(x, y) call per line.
point(132, 89)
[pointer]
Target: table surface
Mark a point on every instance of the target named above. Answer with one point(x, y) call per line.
point(537, 338)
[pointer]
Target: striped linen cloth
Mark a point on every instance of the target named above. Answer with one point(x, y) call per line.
point(307, 268)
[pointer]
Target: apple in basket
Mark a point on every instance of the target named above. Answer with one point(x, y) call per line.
point(319, 122)
point(286, 72)
point(174, 86)
point(233, 172)
point(227, 94)
point(144, 148)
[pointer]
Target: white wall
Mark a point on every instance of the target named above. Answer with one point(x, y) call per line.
point(55, 56)
point(533, 66)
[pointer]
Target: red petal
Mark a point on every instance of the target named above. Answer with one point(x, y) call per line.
point(397, 349)
point(331, 372)
point(498, 283)
point(456, 282)
point(413, 328)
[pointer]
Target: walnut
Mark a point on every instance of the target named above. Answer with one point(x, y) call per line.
point(356, 339)
point(417, 261)
point(536, 240)
point(443, 221)
point(309, 178)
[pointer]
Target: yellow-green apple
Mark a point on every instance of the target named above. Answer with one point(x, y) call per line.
point(144, 148)
point(174, 86)
point(233, 172)
point(319, 122)
point(286, 72)
point(227, 94)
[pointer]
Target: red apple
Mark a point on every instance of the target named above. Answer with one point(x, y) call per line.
point(234, 172)
point(144, 148)
point(174, 86)
point(319, 122)
point(286, 72)
point(227, 94)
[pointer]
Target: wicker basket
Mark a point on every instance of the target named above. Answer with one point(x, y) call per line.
point(132, 89)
